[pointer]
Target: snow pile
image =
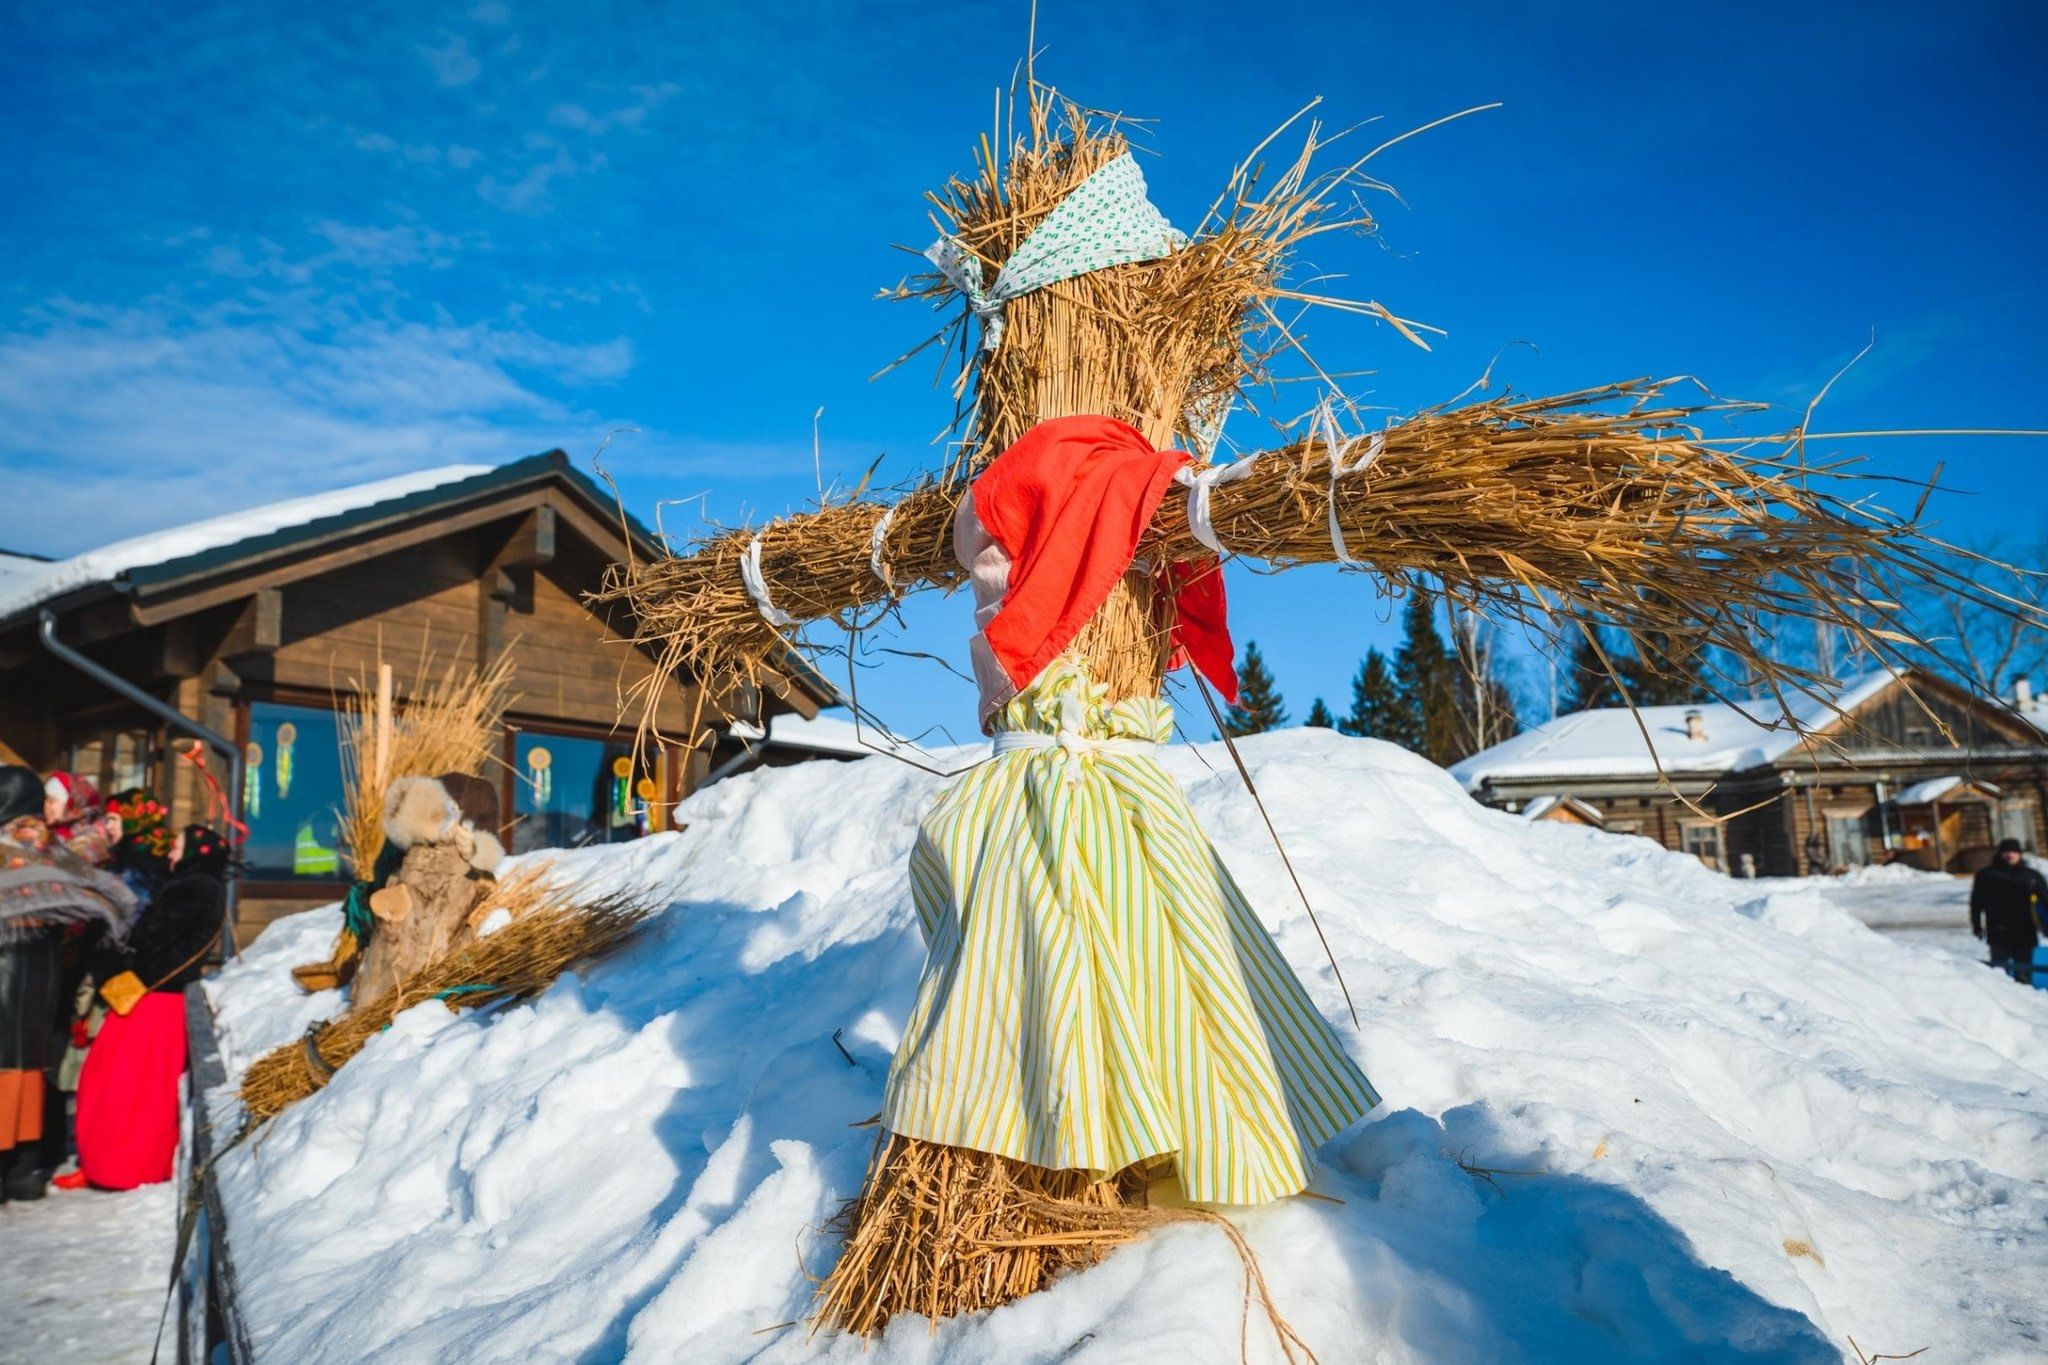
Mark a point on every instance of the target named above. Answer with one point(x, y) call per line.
point(1727, 1121)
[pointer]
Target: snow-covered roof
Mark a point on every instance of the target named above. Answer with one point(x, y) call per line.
point(25, 583)
point(15, 568)
point(1608, 742)
point(1543, 805)
point(1934, 788)
point(824, 735)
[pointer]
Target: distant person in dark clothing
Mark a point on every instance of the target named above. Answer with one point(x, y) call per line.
point(2004, 901)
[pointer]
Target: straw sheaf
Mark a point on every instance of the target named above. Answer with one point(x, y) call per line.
point(938, 1231)
point(550, 931)
point(451, 725)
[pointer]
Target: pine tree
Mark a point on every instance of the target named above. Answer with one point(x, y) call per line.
point(1377, 708)
point(1426, 681)
point(1319, 717)
point(1258, 706)
point(1659, 669)
point(1588, 685)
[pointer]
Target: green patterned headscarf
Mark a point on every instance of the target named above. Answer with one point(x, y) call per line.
point(1105, 221)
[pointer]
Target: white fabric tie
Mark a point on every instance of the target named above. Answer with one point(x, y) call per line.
point(1326, 423)
point(876, 564)
point(757, 586)
point(1070, 739)
point(1199, 482)
point(1075, 743)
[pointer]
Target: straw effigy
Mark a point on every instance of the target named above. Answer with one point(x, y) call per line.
point(550, 930)
point(1606, 508)
point(1610, 507)
point(451, 724)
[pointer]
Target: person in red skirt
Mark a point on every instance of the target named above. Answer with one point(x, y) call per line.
point(128, 1091)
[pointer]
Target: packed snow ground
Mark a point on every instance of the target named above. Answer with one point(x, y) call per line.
point(1728, 1121)
point(83, 1273)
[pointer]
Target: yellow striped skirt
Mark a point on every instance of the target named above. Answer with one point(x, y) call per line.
point(1097, 992)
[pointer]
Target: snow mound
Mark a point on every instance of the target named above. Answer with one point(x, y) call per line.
point(1713, 1119)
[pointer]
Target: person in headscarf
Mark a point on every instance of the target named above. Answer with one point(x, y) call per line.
point(78, 819)
point(128, 1092)
point(142, 856)
point(44, 892)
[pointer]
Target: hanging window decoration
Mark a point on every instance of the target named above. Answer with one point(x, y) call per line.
point(252, 780)
point(540, 775)
point(643, 818)
point(622, 789)
point(287, 736)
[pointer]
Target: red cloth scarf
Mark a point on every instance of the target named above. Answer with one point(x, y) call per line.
point(1068, 503)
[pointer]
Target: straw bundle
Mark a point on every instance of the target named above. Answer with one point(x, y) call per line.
point(450, 725)
point(1604, 507)
point(940, 1230)
point(549, 932)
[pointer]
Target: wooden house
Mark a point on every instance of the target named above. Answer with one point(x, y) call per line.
point(246, 624)
point(1893, 767)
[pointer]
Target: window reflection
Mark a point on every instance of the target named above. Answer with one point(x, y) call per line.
point(291, 793)
point(569, 791)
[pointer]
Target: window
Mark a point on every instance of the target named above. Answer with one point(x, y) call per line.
point(2017, 820)
point(291, 793)
point(569, 791)
point(1848, 839)
point(113, 760)
point(1702, 839)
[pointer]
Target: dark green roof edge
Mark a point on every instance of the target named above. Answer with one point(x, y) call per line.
point(532, 469)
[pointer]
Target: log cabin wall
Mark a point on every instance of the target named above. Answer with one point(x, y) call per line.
point(498, 563)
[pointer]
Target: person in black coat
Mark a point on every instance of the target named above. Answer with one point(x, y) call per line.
point(2004, 903)
point(128, 1090)
point(168, 948)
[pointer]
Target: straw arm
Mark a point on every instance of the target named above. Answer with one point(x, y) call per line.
point(1598, 508)
point(701, 617)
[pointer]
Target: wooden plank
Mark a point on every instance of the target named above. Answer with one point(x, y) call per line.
point(159, 609)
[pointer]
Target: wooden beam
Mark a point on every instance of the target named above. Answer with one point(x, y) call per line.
point(179, 653)
point(259, 629)
point(531, 544)
point(101, 620)
point(495, 591)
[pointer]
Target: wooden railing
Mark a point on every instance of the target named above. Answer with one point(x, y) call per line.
point(209, 1316)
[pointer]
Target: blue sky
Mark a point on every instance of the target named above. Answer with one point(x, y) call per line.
point(258, 250)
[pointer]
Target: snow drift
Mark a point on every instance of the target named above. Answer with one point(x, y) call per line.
point(1721, 1119)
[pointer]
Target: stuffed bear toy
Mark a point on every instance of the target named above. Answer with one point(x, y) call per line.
point(447, 829)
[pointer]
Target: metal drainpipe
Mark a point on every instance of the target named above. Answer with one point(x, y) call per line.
point(172, 717)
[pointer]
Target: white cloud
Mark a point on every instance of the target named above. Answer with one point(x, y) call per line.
point(529, 193)
point(452, 62)
point(631, 116)
point(119, 420)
